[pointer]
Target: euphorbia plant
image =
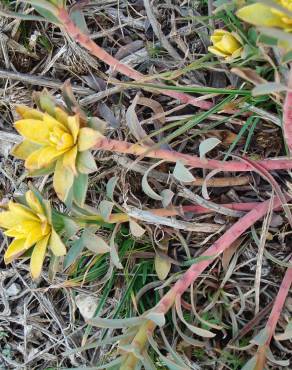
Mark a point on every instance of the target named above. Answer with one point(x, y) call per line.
point(134, 350)
point(226, 45)
point(56, 141)
point(63, 139)
point(261, 14)
point(29, 223)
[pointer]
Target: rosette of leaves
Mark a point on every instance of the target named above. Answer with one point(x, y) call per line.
point(30, 222)
point(57, 140)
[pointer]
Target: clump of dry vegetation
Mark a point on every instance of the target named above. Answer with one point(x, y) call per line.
point(145, 184)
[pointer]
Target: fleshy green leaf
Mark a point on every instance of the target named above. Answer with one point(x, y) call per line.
point(145, 185)
point(136, 229)
point(261, 338)
point(105, 209)
point(74, 252)
point(95, 243)
point(110, 187)
point(194, 329)
point(86, 163)
point(80, 186)
point(116, 323)
point(250, 364)
point(78, 18)
point(268, 88)
point(157, 317)
point(181, 173)
point(47, 14)
point(162, 266)
point(167, 196)
point(208, 145)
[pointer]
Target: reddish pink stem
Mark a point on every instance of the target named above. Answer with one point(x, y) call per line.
point(190, 276)
point(167, 212)
point(287, 115)
point(116, 65)
point(274, 318)
point(235, 206)
point(218, 247)
point(279, 303)
point(190, 160)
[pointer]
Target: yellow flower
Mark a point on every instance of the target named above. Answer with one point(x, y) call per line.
point(260, 14)
point(30, 226)
point(226, 44)
point(54, 142)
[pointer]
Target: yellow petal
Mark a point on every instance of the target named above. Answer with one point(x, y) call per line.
point(33, 202)
point(23, 228)
point(46, 227)
point(69, 159)
point(74, 124)
point(216, 51)
point(26, 112)
point(42, 158)
point(37, 257)
point(228, 44)
point(32, 161)
point(56, 244)
point(88, 138)
point(48, 155)
point(61, 116)
point(8, 220)
point(63, 180)
point(33, 237)
point(24, 149)
point(237, 53)
point(33, 130)
point(260, 15)
point(219, 32)
point(15, 250)
point(21, 212)
point(215, 39)
point(66, 142)
point(51, 123)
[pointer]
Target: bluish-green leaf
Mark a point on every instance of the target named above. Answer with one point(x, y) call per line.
point(74, 252)
point(86, 163)
point(78, 18)
point(181, 173)
point(80, 186)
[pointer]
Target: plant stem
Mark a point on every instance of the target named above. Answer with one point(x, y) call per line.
point(197, 209)
point(287, 115)
point(85, 41)
point(274, 318)
point(190, 160)
point(188, 278)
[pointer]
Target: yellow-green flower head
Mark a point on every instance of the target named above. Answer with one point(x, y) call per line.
point(260, 14)
point(30, 226)
point(52, 143)
point(226, 45)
